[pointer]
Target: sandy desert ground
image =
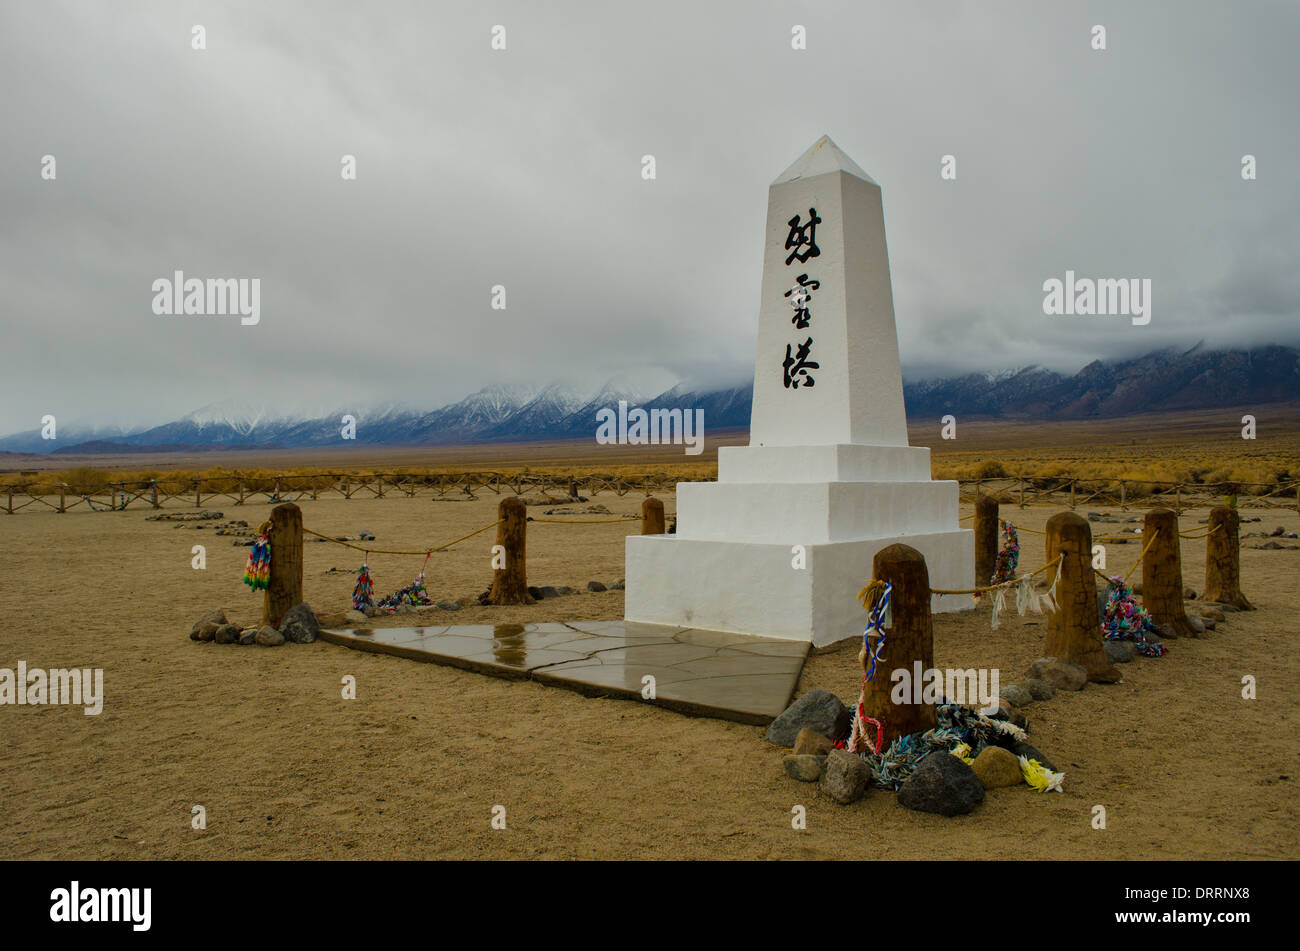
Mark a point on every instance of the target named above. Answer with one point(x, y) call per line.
point(286, 768)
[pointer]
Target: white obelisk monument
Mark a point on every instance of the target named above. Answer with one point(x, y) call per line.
point(783, 541)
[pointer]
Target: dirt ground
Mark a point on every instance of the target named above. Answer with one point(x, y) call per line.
point(287, 769)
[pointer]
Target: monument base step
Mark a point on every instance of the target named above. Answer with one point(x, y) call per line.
point(755, 588)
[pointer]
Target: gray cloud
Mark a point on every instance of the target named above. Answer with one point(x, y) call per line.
point(522, 168)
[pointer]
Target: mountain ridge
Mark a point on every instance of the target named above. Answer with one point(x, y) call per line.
point(1162, 380)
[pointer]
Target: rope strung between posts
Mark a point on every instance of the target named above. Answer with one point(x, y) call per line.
point(1204, 533)
point(587, 521)
point(390, 551)
point(1001, 584)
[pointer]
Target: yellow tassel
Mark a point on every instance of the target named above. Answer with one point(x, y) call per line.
point(1039, 777)
point(870, 594)
point(962, 752)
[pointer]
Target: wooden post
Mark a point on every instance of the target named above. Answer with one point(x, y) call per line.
point(573, 488)
point(241, 492)
point(1074, 628)
point(62, 487)
point(909, 643)
point(1123, 495)
point(652, 517)
point(510, 584)
point(153, 493)
point(1162, 573)
point(285, 584)
point(986, 538)
point(1223, 559)
point(198, 492)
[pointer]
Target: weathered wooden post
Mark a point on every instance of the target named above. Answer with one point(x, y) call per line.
point(198, 492)
point(62, 488)
point(153, 492)
point(1223, 559)
point(1162, 573)
point(510, 583)
point(909, 641)
point(1074, 628)
point(986, 538)
point(284, 587)
point(652, 517)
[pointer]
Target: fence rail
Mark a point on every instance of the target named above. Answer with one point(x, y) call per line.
point(1022, 491)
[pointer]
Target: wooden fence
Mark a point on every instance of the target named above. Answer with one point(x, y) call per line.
point(1022, 491)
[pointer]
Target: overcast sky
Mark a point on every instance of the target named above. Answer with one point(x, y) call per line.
point(522, 168)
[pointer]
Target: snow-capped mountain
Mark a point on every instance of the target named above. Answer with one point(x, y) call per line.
point(1164, 380)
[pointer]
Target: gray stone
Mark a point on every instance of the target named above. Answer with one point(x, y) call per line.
point(1209, 624)
point(1189, 594)
point(565, 589)
point(1061, 674)
point(1031, 752)
point(211, 621)
point(248, 636)
point(227, 634)
point(804, 767)
point(595, 586)
point(819, 710)
point(845, 777)
point(1196, 624)
point(449, 605)
point(299, 625)
point(616, 586)
point(355, 615)
point(1018, 695)
point(1119, 652)
point(1039, 689)
point(548, 591)
point(811, 742)
point(943, 784)
point(269, 637)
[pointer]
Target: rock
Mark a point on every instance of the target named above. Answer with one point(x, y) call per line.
point(845, 777)
point(1119, 652)
point(1209, 613)
point(1030, 752)
point(1095, 516)
point(565, 589)
point(805, 768)
point(366, 535)
point(818, 710)
point(534, 593)
point(1039, 689)
point(596, 586)
point(299, 625)
point(997, 767)
point(1209, 624)
point(227, 634)
point(205, 632)
point(810, 742)
point(1061, 674)
point(944, 784)
point(548, 591)
point(1018, 695)
point(449, 605)
point(355, 615)
point(617, 585)
point(212, 620)
point(247, 636)
point(269, 637)
point(1277, 532)
point(1189, 594)
point(1196, 624)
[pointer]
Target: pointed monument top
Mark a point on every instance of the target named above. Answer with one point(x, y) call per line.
point(824, 156)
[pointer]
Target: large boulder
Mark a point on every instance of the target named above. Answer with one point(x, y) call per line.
point(1061, 674)
point(299, 625)
point(845, 777)
point(997, 767)
point(944, 784)
point(818, 710)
